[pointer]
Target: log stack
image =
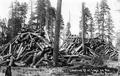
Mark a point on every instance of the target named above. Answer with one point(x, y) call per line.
point(27, 49)
point(32, 49)
point(94, 48)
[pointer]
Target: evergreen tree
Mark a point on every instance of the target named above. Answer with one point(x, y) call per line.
point(44, 18)
point(68, 32)
point(91, 28)
point(109, 28)
point(118, 43)
point(97, 19)
point(104, 11)
point(103, 21)
point(89, 25)
point(3, 33)
point(41, 14)
point(17, 18)
point(50, 21)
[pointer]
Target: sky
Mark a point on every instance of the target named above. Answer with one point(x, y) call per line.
point(72, 6)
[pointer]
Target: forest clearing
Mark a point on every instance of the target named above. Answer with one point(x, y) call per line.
point(45, 46)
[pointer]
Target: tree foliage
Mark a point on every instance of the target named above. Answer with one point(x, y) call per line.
point(44, 18)
point(17, 18)
point(3, 33)
point(103, 21)
point(89, 24)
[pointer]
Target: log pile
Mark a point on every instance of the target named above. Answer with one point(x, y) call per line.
point(31, 49)
point(94, 48)
point(27, 49)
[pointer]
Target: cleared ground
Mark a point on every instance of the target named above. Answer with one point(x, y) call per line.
point(45, 71)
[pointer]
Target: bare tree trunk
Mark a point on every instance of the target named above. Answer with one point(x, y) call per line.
point(103, 27)
point(47, 26)
point(57, 33)
point(91, 35)
point(91, 30)
point(83, 27)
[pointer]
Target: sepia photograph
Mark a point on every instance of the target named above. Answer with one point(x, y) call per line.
point(59, 37)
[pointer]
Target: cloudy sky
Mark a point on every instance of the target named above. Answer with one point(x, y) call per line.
point(74, 6)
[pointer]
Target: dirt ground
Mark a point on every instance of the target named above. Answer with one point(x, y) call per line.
point(43, 71)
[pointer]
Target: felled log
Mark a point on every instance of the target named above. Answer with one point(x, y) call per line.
point(40, 56)
point(6, 56)
point(11, 61)
point(4, 62)
point(20, 52)
point(4, 52)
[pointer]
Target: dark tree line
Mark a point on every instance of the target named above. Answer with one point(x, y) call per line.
point(100, 27)
point(101, 24)
point(42, 20)
point(15, 22)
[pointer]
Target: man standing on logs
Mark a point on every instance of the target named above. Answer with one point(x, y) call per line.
point(8, 69)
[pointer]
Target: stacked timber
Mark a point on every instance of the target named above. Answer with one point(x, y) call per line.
point(95, 48)
point(27, 49)
point(32, 49)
